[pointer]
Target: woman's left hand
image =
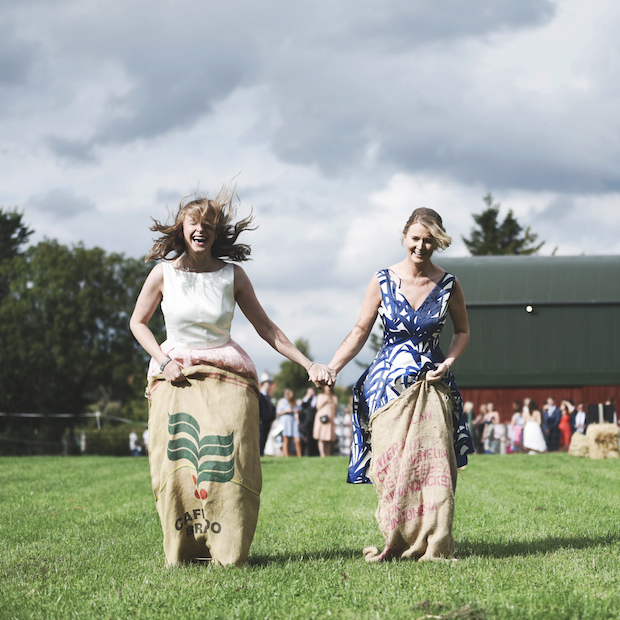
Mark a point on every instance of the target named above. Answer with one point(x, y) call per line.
point(432, 376)
point(320, 375)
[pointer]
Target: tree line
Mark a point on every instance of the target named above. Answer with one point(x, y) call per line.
point(64, 334)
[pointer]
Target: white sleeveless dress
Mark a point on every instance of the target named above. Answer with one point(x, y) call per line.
point(533, 437)
point(198, 309)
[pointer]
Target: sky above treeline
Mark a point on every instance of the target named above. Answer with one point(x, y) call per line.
point(336, 118)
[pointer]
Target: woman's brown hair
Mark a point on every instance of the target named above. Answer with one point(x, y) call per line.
point(217, 214)
point(432, 220)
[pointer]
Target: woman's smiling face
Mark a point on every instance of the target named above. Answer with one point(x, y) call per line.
point(198, 236)
point(419, 243)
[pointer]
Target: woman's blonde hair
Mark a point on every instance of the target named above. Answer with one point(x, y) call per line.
point(217, 214)
point(432, 220)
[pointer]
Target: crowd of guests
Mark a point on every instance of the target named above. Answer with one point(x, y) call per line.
point(307, 426)
point(296, 427)
point(531, 429)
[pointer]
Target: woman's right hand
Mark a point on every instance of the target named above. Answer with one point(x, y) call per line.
point(438, 373)
point(173, 373)
point(320, 375)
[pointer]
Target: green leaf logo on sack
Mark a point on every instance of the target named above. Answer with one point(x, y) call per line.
point(185, 443)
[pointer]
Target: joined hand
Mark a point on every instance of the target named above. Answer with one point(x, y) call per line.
point(321, 374)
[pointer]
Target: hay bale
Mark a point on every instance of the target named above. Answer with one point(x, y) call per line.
point(578, 445)
point(603, 441)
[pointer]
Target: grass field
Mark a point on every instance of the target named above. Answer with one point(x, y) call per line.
point(536, 537)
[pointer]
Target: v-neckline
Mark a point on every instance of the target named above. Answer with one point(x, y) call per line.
point(415, 310)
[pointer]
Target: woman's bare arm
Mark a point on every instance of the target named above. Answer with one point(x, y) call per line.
point(270, 332)
point(149, 298)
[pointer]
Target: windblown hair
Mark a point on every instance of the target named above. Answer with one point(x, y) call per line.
point(432, 220)
point(217, 214)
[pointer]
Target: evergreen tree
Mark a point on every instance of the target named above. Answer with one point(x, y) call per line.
point(13, 234)
point(492, 237)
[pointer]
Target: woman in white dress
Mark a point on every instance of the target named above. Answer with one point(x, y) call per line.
point(533, 438)
point(198, 291)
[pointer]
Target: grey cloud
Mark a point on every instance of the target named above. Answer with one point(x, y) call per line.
point(16, 57)
point(178, 66)
point(574, 228)
point(500, 162)
point(558, 209)
point(167, 196)
point(427, 119)
point(183, 63)
point(62, 203)
point(75, 150)
point(400, 24)
point(352, 84)
point(173, 96)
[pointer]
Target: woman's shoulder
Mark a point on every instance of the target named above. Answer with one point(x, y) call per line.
point(443, 275)
point(157, 273)
point(380, 275)
point(388, 275)
point(239, 274)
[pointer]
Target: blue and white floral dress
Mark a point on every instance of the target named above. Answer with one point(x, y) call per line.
point(410, 349)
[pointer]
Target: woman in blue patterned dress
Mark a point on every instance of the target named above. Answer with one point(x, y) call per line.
point(413, 299)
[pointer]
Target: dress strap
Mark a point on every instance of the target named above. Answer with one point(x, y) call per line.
point(382, 275)
point(387, 286)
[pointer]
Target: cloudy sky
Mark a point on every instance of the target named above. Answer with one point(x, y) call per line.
point(336, 117)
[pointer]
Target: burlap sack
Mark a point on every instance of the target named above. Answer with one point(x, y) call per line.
point(413, 468)
point(205, 465)
point(578, 445)
point(603, 441)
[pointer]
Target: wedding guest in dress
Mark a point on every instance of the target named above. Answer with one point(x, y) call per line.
point(492, 414)
point(491, 434)
point(533, 438)
point(567, 408)
point(325, 421)
point(516, 424)
point(288, 412)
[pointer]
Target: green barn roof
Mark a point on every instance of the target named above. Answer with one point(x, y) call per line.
point(532, 279)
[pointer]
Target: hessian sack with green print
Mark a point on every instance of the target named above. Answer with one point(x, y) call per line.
point(205, 464)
